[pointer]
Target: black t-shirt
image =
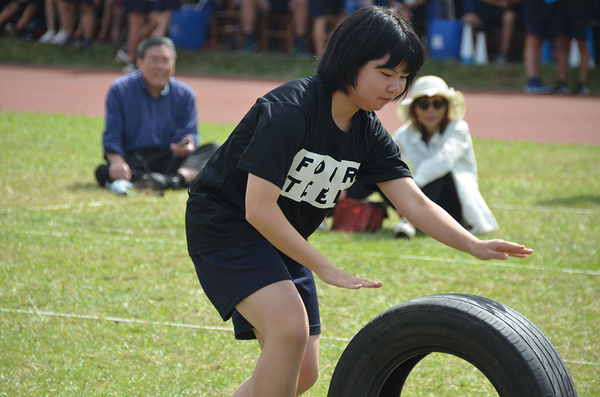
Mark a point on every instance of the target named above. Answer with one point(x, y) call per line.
point(290, 139)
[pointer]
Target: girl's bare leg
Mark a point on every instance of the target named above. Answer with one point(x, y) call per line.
point(281, 326)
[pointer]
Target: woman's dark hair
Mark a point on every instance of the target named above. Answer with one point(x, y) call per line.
point(153, 42)
point(368, 34)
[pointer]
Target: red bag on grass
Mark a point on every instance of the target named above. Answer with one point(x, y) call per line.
point(351, 215)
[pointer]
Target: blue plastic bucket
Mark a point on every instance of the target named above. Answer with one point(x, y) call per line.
point(189, 27)
point(444, 38)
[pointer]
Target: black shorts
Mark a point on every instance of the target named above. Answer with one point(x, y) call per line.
point(325, 7)
point(140, 6)
point(167, 5)
point(280, 6)
point(230, 275)
point(576, 28)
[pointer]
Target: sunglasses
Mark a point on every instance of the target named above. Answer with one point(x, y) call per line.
point(424, 104)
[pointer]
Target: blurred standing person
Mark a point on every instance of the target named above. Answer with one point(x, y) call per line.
point(88, 22)
point(486, 14)
point(572, 22)
point(140, 26)
point(415, 12)
point(250, 9)
point(52, 15)
point(162, 16)
point(22, 10)
point(321, 11)
point(538, 20)
point(105, 22)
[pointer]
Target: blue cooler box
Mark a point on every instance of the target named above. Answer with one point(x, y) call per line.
point(189, 27)
point(445, 38)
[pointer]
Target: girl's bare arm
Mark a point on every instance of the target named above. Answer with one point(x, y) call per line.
point(263, 213)
point(434, 221)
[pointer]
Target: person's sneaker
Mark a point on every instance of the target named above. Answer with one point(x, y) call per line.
point(174, 181)
point(560, 89)
point(129, 68)
point(83, 44)
point(535, 86)
point(102, 38)
point(250, 45)
point(298, 48)
point(153, 181)
point(404, 229)
point(581, 89)
point(501, 59)
point(122, 57)
point(10, 29)
point(47, 36)
point(61, 38)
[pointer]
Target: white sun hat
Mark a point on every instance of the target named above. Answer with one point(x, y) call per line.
point(434, 86)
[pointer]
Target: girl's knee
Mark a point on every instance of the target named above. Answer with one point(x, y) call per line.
point(294, 334)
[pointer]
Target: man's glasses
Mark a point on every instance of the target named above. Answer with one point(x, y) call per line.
point(424, 104)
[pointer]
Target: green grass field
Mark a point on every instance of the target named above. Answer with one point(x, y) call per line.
point(99, 298)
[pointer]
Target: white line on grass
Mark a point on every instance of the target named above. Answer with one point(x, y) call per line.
point(179, 325)
point(374, 254)
point(133, 321)
point(545, 209)
point(64, 206)
point(484, 263)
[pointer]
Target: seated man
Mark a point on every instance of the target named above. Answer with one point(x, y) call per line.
point(151, 132)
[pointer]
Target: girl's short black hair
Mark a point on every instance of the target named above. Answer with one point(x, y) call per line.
point(370, 33)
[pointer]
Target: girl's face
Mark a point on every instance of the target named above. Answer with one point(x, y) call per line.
point(376, 87)
point(430, 112)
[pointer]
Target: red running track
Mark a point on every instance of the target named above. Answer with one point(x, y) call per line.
point(512, 116)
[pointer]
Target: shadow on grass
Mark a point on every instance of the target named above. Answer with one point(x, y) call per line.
point(579, 201)
point(87, 186)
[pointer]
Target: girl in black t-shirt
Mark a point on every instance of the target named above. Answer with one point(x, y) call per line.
point(269, 186)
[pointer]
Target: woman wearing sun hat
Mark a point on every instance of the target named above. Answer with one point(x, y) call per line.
point(436, 141)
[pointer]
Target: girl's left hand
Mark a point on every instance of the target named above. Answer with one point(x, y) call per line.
point(500, 249)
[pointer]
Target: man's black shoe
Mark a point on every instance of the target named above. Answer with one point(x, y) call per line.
point(153, 181)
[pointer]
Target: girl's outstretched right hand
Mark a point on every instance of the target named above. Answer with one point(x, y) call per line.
point(337, 277)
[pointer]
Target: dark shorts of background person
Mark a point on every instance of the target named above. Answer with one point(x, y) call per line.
point(539, 18)
point(140, 6)
point(280, 6)
point(326, 7)
point(38, 3)
point(162, 161)
point(167, 5)
point(570, 27)
point(231, 275)
point(540, 26)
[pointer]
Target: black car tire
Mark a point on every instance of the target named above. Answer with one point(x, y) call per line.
point(510, 351)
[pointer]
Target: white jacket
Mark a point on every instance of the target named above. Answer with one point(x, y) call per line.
point(451, 152)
